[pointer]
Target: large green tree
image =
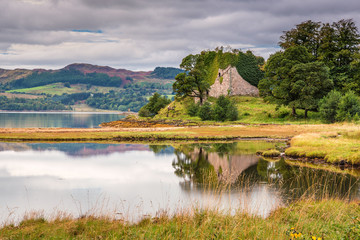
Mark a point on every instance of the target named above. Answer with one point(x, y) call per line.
point(292, 79)
point(336, 44)
point(192, 83)
point(310, 83)
point(305, 34)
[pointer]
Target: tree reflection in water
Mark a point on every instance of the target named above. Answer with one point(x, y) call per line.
point(214, 165)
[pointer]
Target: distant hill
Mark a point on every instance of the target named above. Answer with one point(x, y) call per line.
point(81, 84)
point(81, 73)
point(166, 72)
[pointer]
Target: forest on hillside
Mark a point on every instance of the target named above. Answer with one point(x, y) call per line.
point(115, 96)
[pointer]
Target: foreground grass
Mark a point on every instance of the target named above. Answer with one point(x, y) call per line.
point(328, 219)
point(333, 148)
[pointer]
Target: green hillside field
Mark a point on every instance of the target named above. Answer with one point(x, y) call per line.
point(251, 110)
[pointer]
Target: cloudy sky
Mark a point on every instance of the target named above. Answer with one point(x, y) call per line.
point(143, 34)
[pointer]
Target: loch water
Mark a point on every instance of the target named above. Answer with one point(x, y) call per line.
point(130, 181)
point(56, 119)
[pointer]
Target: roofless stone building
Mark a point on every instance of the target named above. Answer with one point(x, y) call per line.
point(229, 83)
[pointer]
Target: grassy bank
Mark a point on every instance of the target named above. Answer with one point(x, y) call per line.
point(204, 133)
point(339, 148)
point(328, 219)
point(251, 110)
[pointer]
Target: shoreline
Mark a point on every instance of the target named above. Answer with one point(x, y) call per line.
point(72, 112)
point(206, 134)
point(164, 133)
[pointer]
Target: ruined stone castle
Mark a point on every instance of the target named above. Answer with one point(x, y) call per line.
point(229, 83)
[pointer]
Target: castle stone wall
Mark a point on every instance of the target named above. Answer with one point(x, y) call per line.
point(230, 83)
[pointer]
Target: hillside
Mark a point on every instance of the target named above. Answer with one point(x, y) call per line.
point(250, 109)
point(126, 76)
point(99, 87)
point(11, 75)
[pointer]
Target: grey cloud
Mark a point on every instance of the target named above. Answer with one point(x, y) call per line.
point(150, 33)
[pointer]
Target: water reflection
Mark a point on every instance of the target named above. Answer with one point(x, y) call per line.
point(133, 179)
point(226, 164)
point(55, 119)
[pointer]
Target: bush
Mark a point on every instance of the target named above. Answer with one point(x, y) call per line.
point(221, 108)
point(156, 102)
point(144, 112)
point(193, 109)
point(283, 111)
point(348, 107)
point(232, 112)
point(205, 112)
point(224, 110)
point(329, 106)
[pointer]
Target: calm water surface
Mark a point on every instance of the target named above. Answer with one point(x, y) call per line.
point(55, 119)
point(133, 180)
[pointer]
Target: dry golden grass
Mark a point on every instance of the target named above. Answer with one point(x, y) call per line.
point(172, 133)
point(340, 147)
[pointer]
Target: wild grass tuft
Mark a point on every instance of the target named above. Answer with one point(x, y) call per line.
point(337, 149)
point(271, 153)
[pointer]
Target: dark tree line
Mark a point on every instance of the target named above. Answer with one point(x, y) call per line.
point(166, 72)
point(316, 58)
point(40, 104)
point(70, 76)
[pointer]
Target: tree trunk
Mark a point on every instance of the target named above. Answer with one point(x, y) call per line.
point(306, 113)
point(293, 111)
point(201, 100)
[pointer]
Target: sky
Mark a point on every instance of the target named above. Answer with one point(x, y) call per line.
point(144, 34)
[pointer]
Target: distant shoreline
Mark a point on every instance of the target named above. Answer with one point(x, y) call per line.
point(72, 112)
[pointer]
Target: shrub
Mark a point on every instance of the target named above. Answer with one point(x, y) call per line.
point(156, 102)
point(356, 118)
point(205, 112)
point(329, 106)
point(283, 111)
point(221, 108)
point(144, 112)
point(224, 109)
point(232, 112)
point(193, 109)
point(348, 107)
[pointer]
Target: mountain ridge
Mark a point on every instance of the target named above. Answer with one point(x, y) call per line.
point(127, 76)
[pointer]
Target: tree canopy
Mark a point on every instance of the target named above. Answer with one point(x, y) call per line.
point(316, 58)
point(292, 79)
point(193, 82)
point(336, 44)
point(156, 102)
